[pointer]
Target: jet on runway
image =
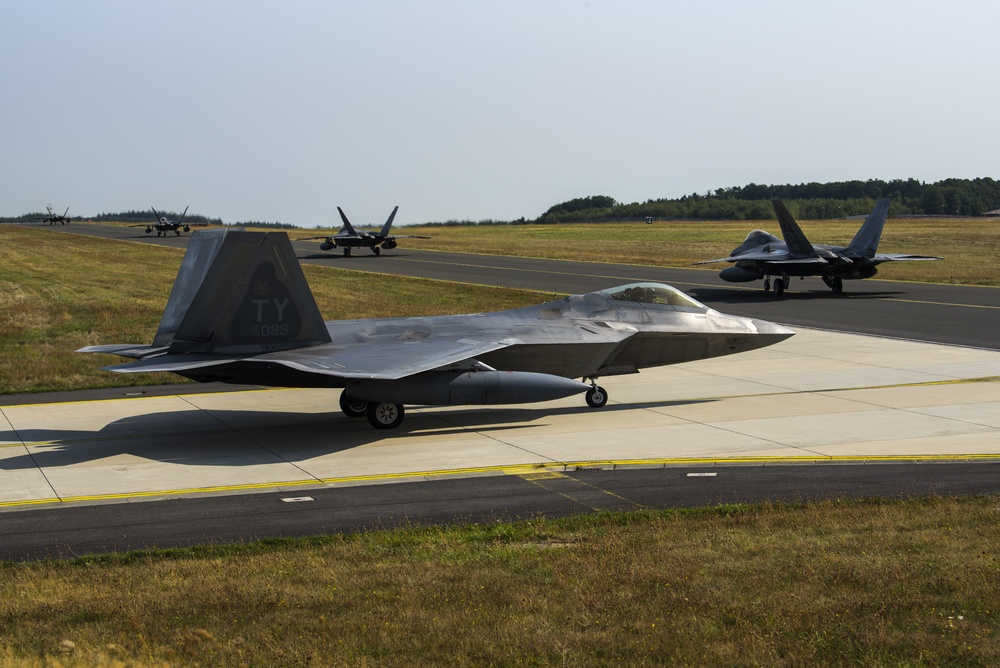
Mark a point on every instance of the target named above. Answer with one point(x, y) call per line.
point(348, 237)
point(54, 218)
point(241, 312)
point(763, 255)
point(164, 224)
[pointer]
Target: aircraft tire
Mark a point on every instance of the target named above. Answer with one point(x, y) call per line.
point(376, 250)
point(767, 285)
point(597, 397)
point(354, 408)
point(384, 416)
point(779, 287)
point(838, 285)
point(347, 251)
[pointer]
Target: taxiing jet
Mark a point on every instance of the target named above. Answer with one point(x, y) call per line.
point(765, 256)
point(164, 225)
point(54, 218)
point(241, 311)
point(348, 237)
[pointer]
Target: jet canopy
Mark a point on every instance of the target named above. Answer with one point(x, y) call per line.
point(653, 293)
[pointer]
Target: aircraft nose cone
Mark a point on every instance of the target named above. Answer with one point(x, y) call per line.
point(771, 333)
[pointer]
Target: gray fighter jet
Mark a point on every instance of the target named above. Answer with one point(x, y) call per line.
point(347, 237)
point(164, 224)
point(763, 255)
point(54, 218)
point(241, 312)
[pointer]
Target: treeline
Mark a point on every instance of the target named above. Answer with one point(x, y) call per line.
point(955, 197)
point(258, 223)
point(148, 217)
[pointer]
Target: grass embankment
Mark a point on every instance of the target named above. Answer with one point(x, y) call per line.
point(59, 293)
point(969, 245)
point(862, 583)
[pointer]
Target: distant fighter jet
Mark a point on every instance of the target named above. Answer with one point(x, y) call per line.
point(347, 237)
point(54, 218)
point(164, 225)
point(241, 312)
point(763, 255)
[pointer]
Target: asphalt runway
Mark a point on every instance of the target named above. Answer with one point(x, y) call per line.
point(97, 529)
point(782, 401)
point(953, 314)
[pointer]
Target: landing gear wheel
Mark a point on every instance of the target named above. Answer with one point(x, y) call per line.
point(384, 416)
point(352, 407)
point(838, 285)
point(376, 250)
point(779, 287)
point(347, 251)
point(178, 232)
point(596, 397)
point(767, 285)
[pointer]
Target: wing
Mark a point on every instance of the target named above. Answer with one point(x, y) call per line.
point(390, 360)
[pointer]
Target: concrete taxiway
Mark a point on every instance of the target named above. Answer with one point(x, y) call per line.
point(819, 396)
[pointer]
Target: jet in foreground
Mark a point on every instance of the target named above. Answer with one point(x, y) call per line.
point(347, 237)
point(54, 218)
point(763, 255)
point(164, 225)
point(241, 312)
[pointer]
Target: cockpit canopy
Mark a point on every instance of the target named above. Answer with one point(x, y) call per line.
point(653, 293)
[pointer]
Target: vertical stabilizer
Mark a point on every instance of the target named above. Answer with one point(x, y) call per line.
point(347, 228)
point(240, 292)
point(388, 223)
point(201, 252)
point(865, 242)
point(795, 239)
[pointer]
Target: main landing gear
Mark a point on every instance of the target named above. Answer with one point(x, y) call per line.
point(780, 284)
point(380, 415)
point(835, 283)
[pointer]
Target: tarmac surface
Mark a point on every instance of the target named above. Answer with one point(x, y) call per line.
point(822, 414)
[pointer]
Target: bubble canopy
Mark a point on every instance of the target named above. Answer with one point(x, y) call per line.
point(653, 293)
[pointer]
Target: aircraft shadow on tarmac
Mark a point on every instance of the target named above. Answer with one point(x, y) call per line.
point(348, 258)
point(252, 438)
point(738, 296)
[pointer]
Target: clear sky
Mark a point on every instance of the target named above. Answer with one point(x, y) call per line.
point(456, 109)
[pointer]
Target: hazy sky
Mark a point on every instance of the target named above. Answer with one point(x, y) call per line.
point(473, 110)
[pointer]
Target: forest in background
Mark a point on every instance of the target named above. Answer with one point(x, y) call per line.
point(807, 201)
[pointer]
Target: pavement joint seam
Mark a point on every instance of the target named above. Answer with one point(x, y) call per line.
point(243, 434)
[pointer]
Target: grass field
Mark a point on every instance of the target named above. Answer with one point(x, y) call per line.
point(912, 583)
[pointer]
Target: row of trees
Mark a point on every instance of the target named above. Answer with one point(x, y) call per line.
point(956, 197)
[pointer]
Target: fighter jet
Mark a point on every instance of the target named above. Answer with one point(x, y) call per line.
point(241, 311)
point(164, 225)
point(347, 237)
point(54, 218)
point(763, 255)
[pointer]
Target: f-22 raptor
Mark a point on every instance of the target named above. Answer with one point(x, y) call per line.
point(763, 255)
point(164, 224)
point(348, 237)
point(54, 218)
point(241, 312)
